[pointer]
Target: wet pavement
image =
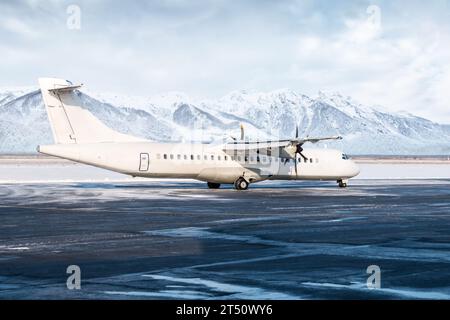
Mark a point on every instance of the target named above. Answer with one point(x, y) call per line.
point(180, 240)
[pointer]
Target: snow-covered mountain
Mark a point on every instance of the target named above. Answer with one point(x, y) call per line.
point(173, 116)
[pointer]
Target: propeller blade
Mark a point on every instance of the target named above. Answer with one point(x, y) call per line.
point(295, 160)
point(296, 132)
point(303, 156)
point(242, 131)
point(299, 150)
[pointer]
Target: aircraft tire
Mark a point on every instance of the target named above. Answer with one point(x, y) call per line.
point(213, 185)
point(342, 184)
point(241, 184)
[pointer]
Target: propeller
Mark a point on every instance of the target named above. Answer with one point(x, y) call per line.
point(298, 150)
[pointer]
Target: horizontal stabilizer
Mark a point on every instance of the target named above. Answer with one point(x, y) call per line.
point(65, 88)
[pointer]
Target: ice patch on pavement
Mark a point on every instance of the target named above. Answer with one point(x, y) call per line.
point(253, 219)
point(402, 292)
point(305, 249)
point(203, 233)
point(14, 248)
point(344, 219)
point(174, 294)
point(100, 192)
point(236, 291)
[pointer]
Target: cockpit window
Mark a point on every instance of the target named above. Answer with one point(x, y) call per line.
point(345, 157)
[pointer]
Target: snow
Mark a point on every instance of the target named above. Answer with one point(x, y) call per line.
point(127, 101)
point(404, 171)
point(275, 114)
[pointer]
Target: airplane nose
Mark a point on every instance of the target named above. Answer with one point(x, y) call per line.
point(354, 169)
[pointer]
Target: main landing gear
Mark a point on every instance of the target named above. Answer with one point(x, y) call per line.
point(213, 185)
point(241, 184)
point(342, 183)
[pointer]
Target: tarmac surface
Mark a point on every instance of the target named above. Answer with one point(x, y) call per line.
point(180, 240)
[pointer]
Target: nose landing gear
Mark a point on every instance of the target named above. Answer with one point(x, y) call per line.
point(342, 183)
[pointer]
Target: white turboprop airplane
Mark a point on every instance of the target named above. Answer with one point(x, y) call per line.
point(81, 137)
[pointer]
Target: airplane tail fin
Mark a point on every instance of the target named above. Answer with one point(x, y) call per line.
point(70, 122)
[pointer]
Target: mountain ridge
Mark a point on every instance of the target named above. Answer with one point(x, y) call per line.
point(274, 114)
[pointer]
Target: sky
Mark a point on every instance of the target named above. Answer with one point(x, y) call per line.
point(395, 54)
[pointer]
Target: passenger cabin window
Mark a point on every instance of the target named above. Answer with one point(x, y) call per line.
point(345, 157)
point(171, 157)
point(192, 157)
point(205, 157)
point(218, 158)
point(165, 156)
point(212, 157)
point(311, 160)
point(185, 157)
point(179, 156)
point(198, 157)
point(226, 158)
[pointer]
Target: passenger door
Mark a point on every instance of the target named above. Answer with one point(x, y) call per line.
point(144, 162)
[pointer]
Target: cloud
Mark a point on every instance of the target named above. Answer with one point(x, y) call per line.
point(17, 27)
point(367, 29)
point(393, 54)
point(398, 67)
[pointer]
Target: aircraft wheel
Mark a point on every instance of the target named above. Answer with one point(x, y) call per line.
point(241, 184)
point(213, 185)
point(342, 183)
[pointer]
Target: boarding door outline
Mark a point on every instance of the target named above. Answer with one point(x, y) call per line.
point(144, 161)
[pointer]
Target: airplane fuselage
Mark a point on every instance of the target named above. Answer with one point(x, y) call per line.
point(205, 162)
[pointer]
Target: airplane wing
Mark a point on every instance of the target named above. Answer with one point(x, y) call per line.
point(315, 140)
point(276, 148)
